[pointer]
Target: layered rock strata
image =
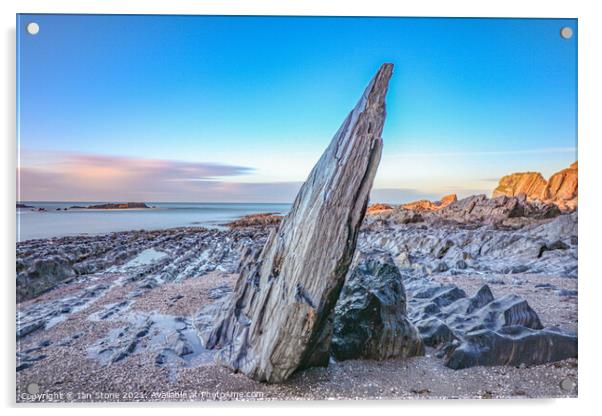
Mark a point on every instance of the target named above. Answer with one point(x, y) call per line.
point(279, 317)
point(483, 330)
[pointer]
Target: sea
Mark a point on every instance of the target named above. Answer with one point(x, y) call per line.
point(52, 222)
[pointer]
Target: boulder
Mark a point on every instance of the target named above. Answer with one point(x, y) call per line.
point(279, 316)
point(512, 345)
point(370, 317)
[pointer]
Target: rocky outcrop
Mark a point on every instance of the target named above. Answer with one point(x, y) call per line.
point(370, 317)
point(378, 208)
point(43, 264)
point(531, 184)
point(279, 317)
point(476, 210)
point(426, 205)
point(256, 220)
point(560, 189)
point(127, 205)
point(41, 275)
point(483, 210)
point(482, 330)
point(434, 246)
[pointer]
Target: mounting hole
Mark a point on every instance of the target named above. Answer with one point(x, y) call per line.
point(33, 28)
point(566, 32)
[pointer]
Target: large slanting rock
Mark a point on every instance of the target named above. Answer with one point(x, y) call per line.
point(370, 318)
point(279, 317)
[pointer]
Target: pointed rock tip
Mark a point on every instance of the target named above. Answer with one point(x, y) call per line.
point(384, 73)
point(377, 89)
point(387, 66)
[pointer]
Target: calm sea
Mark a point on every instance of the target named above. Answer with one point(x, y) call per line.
point(55, 223)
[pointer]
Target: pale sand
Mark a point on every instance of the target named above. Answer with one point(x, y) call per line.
point(70, 370)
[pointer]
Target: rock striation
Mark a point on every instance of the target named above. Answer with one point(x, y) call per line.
point(371, 317)
point(560, 189)
point(480, 209)
point(42, 265)
point(428, 244)
point(476, 210)
point(256, 220)
point(482, 330)
point(279, 317)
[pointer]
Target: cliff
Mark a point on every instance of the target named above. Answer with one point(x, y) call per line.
point(560, 189)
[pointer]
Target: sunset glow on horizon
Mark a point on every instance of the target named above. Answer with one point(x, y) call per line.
point(239, 109)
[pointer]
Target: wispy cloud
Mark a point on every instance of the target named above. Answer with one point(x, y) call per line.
point(91, 177)
point(102, 165)
point(541, 151)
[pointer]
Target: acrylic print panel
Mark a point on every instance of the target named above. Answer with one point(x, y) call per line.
point(258, 208)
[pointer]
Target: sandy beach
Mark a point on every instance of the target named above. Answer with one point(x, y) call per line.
point(125, 331)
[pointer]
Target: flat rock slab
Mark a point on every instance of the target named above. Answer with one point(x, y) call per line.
point(279, 317)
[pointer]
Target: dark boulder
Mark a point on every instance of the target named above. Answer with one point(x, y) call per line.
point(511, 345)
point(370, 317)
point(434, 331)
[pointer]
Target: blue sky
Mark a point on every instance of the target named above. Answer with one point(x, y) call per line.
point(196, 108)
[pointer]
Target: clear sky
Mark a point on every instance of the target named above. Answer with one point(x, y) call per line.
point(199, 108)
